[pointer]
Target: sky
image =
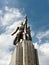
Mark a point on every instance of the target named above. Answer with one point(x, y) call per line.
point(12, 13)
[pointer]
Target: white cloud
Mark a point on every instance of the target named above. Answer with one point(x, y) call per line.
point(5, 39)
point(4, 57)
point(43, 53)
point(41, 35)
point(10, 15)
point(45, 48)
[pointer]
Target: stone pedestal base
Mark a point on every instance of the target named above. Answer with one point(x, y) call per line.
point(24, 54)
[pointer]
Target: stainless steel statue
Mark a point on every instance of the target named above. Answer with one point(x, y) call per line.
point(21, 32)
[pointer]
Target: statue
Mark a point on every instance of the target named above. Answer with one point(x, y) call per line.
point(28, 33)
point(20, 31)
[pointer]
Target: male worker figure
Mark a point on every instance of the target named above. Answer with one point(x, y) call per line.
point(19, 32)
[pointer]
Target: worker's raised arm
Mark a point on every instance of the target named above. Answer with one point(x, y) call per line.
point(15, 31)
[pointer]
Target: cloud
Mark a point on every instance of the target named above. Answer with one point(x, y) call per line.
point(43, 48)
point(42, 35)
point(10, 15)
point(4, 57)
point(43, 53)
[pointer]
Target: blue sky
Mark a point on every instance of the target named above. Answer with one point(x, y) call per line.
point(12, 13)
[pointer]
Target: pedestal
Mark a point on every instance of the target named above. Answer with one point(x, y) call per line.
point(24, 54)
